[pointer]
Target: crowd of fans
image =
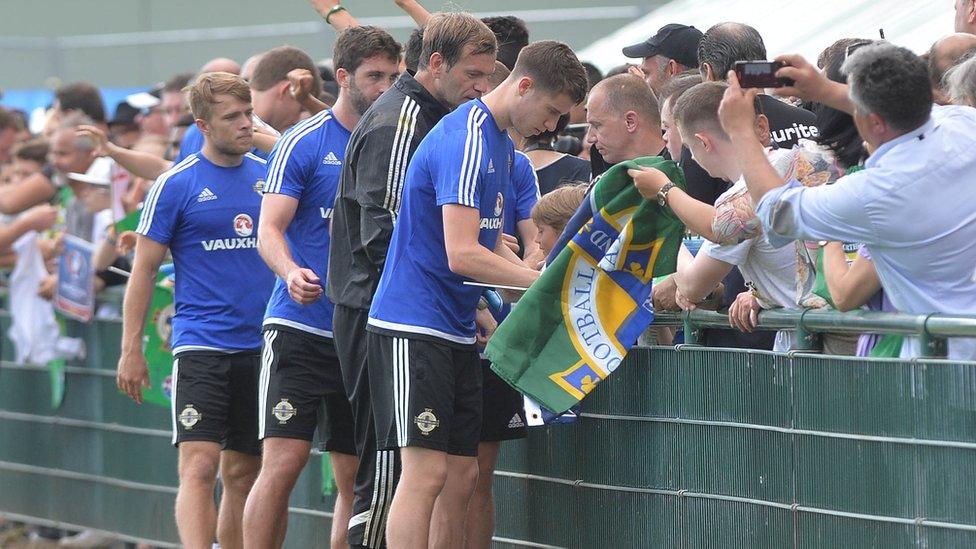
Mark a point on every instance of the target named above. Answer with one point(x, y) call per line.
point(874, 142)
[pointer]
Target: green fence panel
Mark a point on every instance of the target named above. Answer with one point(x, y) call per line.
point(686, 447)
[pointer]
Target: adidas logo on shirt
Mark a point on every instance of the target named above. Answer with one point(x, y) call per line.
point(491, 166)
point(331, 159)
point(205, 195)
point(515, 422)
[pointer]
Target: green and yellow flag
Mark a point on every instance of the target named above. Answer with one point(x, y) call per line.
point(156, 342)
point(574, 326)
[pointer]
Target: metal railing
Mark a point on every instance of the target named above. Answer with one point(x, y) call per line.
point(933, 329)
point(681, 447)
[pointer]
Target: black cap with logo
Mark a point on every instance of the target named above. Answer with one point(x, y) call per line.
point(675, 41)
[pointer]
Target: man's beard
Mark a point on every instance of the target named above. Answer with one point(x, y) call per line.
point(360, 103)
point(233, 147)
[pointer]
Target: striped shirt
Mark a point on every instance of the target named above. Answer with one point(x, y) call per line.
point(208, 217)
point(371, 188)
point(305, 166)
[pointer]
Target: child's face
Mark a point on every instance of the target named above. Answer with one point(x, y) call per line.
point(22, 169)
point(546, 237)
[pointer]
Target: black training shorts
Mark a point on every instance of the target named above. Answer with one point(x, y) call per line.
point(503, 411)
point(425, 393)
point(301, 388)
point(215, 399)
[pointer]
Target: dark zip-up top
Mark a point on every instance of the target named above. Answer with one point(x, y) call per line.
point(371, 187)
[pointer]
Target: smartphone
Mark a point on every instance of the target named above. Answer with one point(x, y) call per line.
point(760, 74)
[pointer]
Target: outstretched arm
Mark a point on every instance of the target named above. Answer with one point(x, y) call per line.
point(850, 287)
point(338, 19)
point(413, 8)
point(138, 163)
point(33, 190)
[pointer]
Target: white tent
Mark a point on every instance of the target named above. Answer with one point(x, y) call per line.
point(805, 27)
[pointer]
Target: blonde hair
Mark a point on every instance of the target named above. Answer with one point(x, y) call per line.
point(204, 92)
point(555, 208)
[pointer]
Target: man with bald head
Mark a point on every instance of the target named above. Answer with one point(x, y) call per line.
point(247, 69)
point(624, 119)
point(221, 64)
point(946, 52)
point(71, 153)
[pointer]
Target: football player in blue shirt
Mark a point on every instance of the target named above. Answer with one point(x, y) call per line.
point(205, 212)
point(425, 374)
point(503, 413)
point(300, 372)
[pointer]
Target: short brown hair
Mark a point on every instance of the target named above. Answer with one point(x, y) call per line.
point(626, 92)
point(275, 64)
point(357, 44)
point(449, 33)
point(177, 82)
point(9, 119)
point(557, 207)
point(34, 150)
point(204, 92)
point(554, 68)
point(697, 108)
point(83, 97)
point(678, 85)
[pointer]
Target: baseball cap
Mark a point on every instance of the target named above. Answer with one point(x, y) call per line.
point(99, 173)
point(125, 114)
point(145, 100)
point(675, 41)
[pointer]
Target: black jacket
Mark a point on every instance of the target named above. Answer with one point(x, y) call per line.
point(371, 187)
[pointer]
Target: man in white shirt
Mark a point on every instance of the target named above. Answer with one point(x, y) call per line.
point(913, 205)
point(769, 272)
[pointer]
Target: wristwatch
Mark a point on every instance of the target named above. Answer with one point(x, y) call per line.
point(662, 195)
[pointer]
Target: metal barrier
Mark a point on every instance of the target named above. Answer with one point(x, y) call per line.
point(681, 447)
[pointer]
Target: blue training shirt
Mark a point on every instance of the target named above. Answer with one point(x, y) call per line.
point(305, 165)
point(521, 198)
point(208, 217)
point(522, 195)
point(465, 160)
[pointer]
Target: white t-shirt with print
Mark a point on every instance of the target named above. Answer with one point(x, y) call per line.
point(771, 270)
